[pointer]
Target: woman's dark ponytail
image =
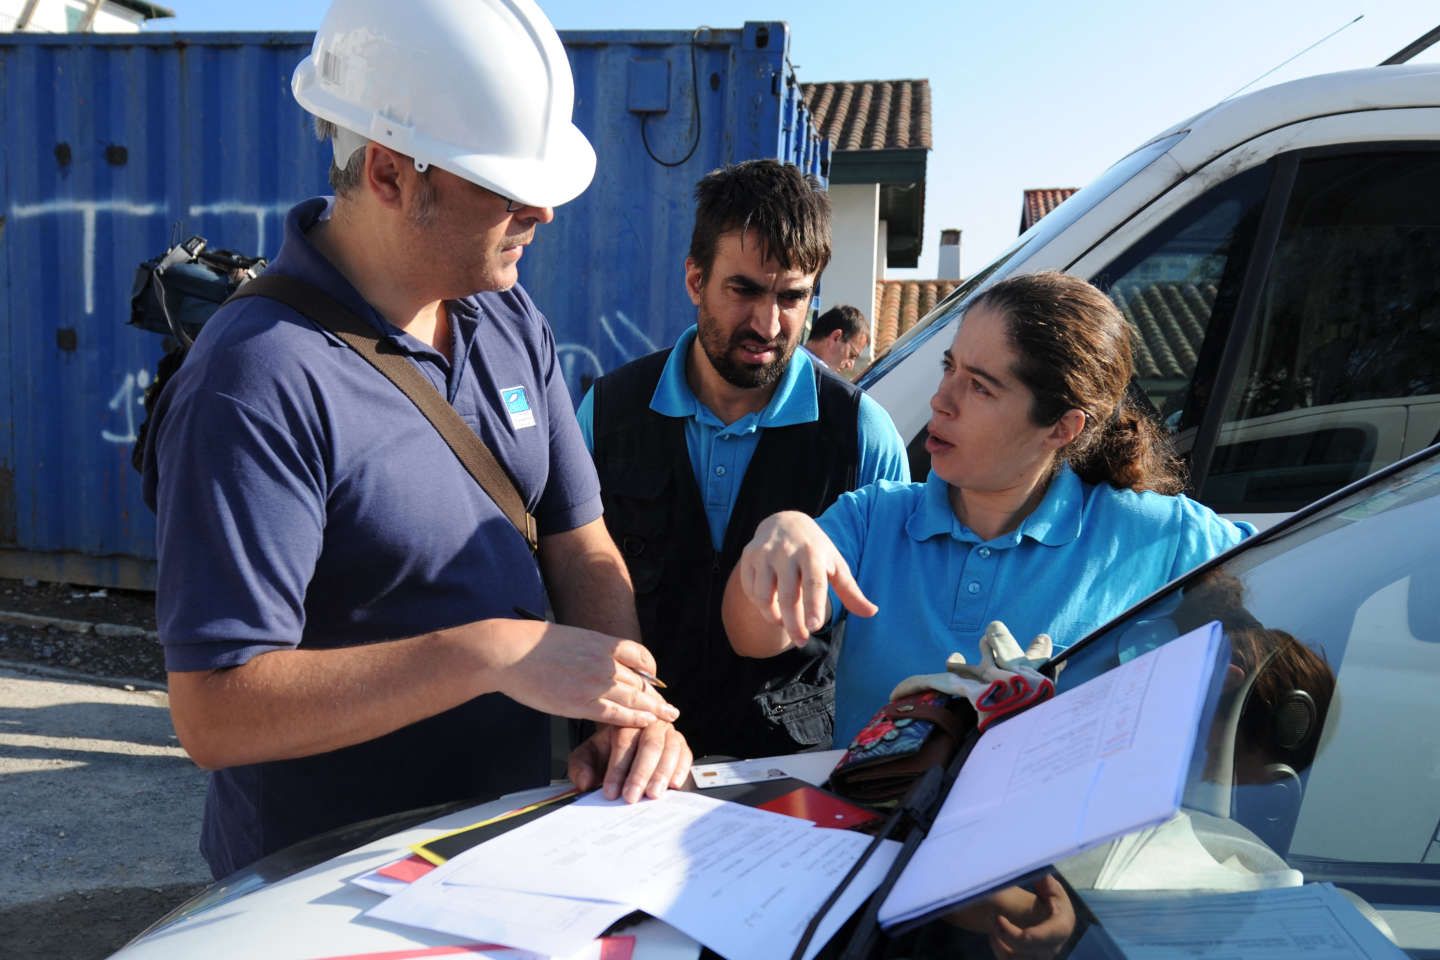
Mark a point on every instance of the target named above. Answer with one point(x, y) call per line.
point(1075, 353)
point(1130, 451)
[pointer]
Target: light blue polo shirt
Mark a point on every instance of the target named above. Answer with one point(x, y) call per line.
point(720, 453)
point(1086, 554)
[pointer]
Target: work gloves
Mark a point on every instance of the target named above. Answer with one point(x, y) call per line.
point(1006, 680)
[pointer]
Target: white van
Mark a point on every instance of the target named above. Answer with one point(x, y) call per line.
point(1279, 257)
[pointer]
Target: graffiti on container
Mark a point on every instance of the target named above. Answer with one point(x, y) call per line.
point(127, 401)
point(260, 211)
point(89, 210)
point(582, 365)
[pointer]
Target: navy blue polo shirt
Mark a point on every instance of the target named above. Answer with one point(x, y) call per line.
point(303, 501)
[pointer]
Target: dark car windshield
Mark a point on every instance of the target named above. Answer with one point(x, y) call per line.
point(1322, 764)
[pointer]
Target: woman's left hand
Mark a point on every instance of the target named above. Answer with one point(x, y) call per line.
point(787, 570)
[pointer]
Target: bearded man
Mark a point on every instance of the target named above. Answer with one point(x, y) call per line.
point(696, 444)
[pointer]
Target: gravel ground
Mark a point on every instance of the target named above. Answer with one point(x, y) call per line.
point(102, 806)
point(128, 653)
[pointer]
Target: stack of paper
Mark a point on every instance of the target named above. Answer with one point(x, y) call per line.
point(1094, 763)
point(742, 881)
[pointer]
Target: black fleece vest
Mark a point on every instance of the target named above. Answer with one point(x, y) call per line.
point(728, 704)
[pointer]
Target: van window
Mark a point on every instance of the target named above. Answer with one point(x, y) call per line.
point(1340, 373)
point(1180, 281)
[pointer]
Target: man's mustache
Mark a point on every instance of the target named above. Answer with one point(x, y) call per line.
point(521, 240)
point(756, 344)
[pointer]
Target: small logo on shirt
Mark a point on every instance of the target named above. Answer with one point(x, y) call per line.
point(518, 406)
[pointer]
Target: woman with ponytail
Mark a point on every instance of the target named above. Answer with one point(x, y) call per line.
point(1053, 504)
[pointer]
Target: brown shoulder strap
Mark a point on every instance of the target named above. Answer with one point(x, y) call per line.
point(362, 337)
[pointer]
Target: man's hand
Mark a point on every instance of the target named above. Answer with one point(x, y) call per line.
point(786, 571)
point(1039, 932)
point(1021, 925)
point(634, 763)
point(577, 673)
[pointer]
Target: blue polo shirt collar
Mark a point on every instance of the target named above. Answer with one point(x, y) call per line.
point(795, 399)
point(1055, 521)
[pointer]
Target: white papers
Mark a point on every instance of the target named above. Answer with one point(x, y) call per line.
point(740, 880)
point(1171, 857)
point(1098, 761)
point(1313, 922)
point(660, 941)
point(600, 848)
point(550, 926)
point(814, 768)
point(654, 940)
point(377, 882)
point(759, 908)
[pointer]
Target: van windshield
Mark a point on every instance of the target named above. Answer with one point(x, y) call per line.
point(1037, 236)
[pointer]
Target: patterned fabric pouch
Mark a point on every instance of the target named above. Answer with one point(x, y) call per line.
point(905, 738)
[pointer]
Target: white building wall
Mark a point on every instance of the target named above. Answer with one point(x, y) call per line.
point(882, 248)
point(850, 278)
point(63, 16)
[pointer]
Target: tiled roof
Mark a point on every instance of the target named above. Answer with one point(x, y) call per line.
point(1040, 202)
point(871, 114)
point(899, 303)
point(1169, 318)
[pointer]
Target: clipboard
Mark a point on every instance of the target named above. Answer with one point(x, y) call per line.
point(449, 845)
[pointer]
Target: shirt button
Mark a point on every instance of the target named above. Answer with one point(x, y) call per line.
point(984, 552)
point(973, 587)
point(719, 471)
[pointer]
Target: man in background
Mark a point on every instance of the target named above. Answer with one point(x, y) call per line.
point(695, 445)
point(838, 337)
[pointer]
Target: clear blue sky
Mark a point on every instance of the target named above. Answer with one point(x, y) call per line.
point(1025, 94)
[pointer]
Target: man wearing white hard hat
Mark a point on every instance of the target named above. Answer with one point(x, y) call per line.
point(345, 612)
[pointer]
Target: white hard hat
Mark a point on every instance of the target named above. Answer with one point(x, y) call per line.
point(480, 88)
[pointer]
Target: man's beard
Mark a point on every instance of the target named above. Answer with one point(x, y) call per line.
point(747, 376)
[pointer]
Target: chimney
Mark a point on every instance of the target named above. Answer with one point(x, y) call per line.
point(949, 254)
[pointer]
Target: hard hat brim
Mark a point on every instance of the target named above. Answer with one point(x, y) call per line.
point(561, 176)
point(557, 177)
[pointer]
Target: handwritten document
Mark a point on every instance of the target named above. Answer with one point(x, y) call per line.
point(1095, 762)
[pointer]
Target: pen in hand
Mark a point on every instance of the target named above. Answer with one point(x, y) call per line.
point(525, 614)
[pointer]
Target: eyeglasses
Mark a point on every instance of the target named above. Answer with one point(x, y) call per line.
point(511, 206)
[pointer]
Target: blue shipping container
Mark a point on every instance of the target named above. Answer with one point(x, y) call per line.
point(116, 146)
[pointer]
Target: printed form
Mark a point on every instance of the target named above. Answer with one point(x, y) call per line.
point(1313, 922)
point(742, 881)
point(1095, 762)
